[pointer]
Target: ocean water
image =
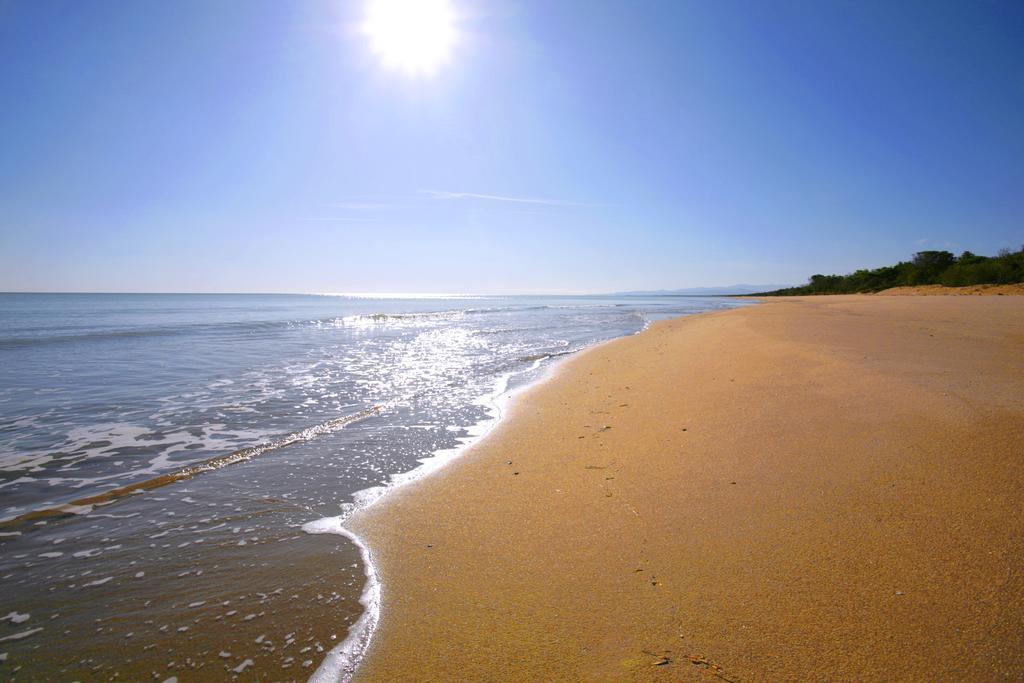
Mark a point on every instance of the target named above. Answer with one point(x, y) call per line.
point(160, 456)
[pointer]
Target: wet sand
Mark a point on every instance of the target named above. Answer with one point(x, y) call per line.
point(821, 488)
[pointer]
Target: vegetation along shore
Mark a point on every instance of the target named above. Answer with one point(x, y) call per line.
point(925, 268)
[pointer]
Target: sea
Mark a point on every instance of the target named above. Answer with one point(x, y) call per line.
point(169, 463)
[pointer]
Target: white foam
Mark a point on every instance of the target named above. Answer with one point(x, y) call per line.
point(98, 582)
point(243, 666)
point(23, 634)
point(342, 661)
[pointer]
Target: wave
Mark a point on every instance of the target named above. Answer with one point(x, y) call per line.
point(225, 328)
point(21, 342)
point(254, 326)
point(143, 332)
point(82, 506)
point(232, 328)
point(544, 356)
point(398, 317)
point(433, 315)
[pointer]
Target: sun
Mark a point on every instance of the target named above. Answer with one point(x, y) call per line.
point(412, 36)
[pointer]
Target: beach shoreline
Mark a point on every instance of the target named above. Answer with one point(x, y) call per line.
point(206, 530)
point(343, 661)
point(807, 488)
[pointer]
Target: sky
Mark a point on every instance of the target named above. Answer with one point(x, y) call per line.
point(558, 146)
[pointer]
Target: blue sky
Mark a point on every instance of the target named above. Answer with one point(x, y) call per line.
point(564, 146)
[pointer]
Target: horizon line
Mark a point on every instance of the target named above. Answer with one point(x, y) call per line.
point(388, 295)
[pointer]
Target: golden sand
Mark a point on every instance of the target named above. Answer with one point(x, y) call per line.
point(970, 290)
point(829, 488)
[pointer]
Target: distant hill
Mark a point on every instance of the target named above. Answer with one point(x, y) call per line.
point(925, 268)
point(731, 290)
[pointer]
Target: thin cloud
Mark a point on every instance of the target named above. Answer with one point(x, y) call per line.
point(355, 208)
point(437, 194)
point(336, 220)
point(359, 206)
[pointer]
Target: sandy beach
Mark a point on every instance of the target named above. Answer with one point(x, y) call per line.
point(824, 488)
point(971, 290)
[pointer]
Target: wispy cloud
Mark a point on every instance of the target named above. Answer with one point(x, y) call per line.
point(437, 194)
point(359, 206)
point(351, 212)
point(338, 219)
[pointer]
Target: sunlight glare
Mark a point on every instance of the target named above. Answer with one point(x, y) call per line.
point(414, 36)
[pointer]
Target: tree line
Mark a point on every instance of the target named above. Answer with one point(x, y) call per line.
point(925, 268)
